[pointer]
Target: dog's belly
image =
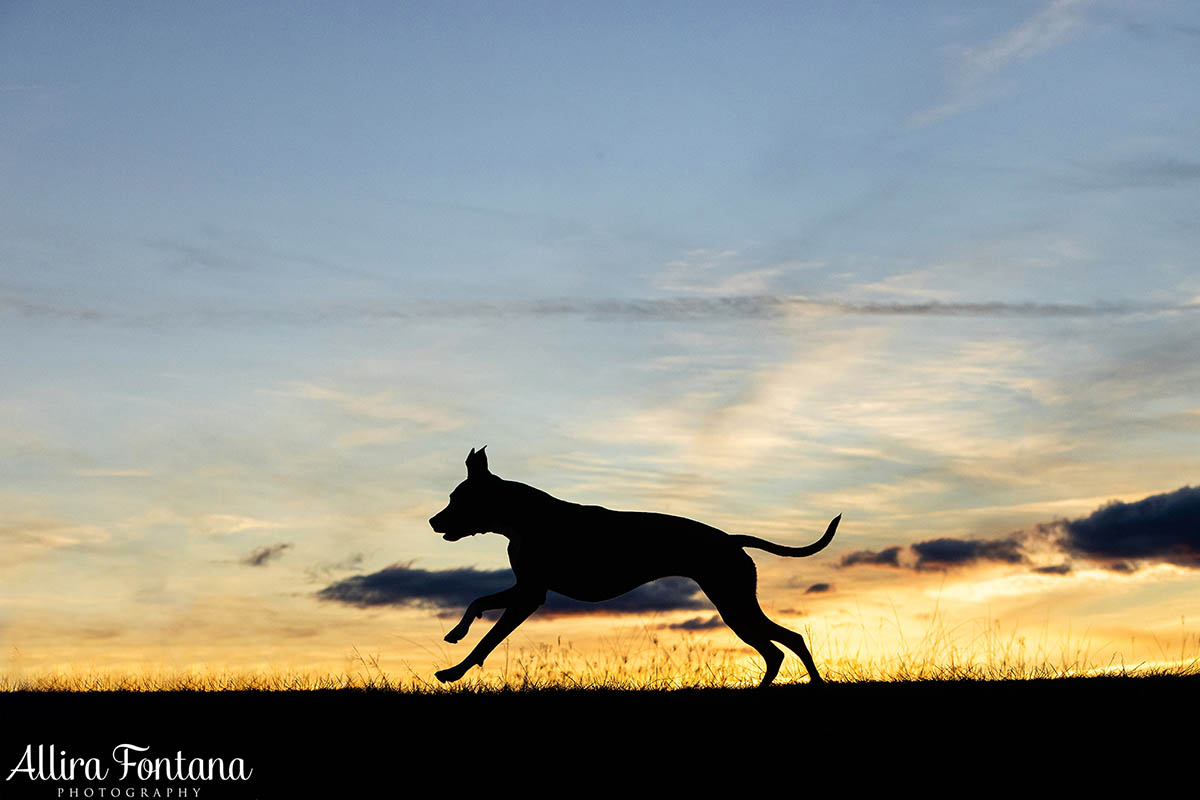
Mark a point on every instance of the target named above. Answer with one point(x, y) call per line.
point(593, 577)
point(594, 590)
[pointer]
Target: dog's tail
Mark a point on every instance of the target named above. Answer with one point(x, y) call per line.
point(795, 552)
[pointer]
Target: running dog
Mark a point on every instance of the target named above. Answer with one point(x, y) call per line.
point(592, 553)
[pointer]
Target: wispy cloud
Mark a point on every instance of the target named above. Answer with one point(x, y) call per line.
point(668, 309)
point(231, 251)
point(325, 569)
point(1144, 172)
point(28, 538)
point(718, 273)
point(226, 524)
point(261, 556)
point(1053, 569)
point(383, 406)
point(697, 624)
point(976, 65)
point(27, 87)
point(922, 400)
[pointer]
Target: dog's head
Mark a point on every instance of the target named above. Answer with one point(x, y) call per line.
point(472, 503)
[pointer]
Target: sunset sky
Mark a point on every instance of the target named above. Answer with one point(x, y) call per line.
point(268, 274)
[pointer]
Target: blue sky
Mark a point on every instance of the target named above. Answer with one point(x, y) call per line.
point(266, 274)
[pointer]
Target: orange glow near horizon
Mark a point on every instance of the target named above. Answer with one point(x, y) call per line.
point(921, 632)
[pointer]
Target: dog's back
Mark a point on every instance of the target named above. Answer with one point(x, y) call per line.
point(594, 553)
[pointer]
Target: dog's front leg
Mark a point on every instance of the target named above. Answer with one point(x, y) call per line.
point(475, 611)
point(516, 613)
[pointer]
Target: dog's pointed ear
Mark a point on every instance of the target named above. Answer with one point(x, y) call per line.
point(477, 465)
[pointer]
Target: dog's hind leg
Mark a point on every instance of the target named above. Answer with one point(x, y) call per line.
point(752, 635)
point(516, 613)
point(795, 642)
point(745, 617)
point(747, 620)
point(732, 592)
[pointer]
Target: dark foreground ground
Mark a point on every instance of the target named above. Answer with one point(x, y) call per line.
point(940, 739)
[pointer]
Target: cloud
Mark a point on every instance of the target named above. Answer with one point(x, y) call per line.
point(453, 589)
point(22, 538)
point(712, 272)
point(402, 585)
point(951, 552)
point(1155, 172)
point(819, 588)
point(228, 524)
point(381, 417)
point(1120, 537)
point(323, 570)
point(1053, 569)
point(1161, 528)
point(884, 558)
point(230, 251)
point(1049, 27)
point(658, 309)
point(944, 552)
point(26, 87)
point(262, 555)
point(697, 624)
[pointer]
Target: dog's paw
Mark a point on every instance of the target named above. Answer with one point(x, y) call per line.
point(448, 675)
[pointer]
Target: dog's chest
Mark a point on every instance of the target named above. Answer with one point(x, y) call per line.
point(514, 551)
point(542, 556)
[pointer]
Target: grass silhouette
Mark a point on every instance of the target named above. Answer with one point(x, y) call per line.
point(554, 715)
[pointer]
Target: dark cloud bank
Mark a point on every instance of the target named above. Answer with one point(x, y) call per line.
point(950, 552)
point(450, 590)
point(1160, 529)
point(889, 557)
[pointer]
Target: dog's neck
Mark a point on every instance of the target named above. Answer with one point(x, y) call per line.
point(510, 532)
point(532, 510)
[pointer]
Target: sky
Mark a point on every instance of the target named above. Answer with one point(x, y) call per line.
point(268, 273)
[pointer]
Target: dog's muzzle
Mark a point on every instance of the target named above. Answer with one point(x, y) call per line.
point(441, 525)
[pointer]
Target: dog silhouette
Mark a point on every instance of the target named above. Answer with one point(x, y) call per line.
point(592, 553)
